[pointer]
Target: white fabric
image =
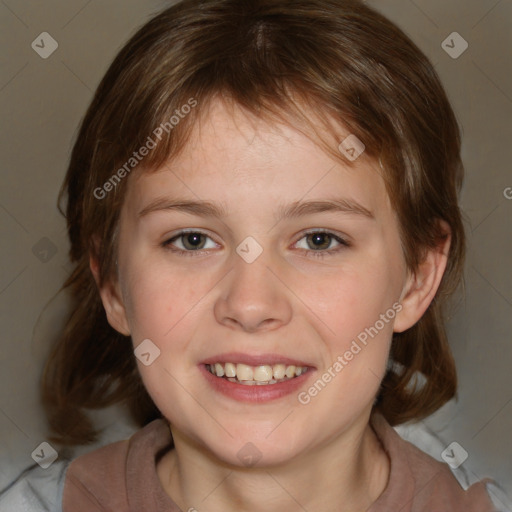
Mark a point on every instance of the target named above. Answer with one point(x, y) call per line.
point(36, 490)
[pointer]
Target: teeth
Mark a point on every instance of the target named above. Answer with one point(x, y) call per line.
point(290, 371)
point(278, 371)
point(255, 375)
point(219, 370)
point(230, 370)
point(263, 373)
point(244, 372)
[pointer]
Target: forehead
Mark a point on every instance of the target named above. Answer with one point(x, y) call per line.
point(231, 151)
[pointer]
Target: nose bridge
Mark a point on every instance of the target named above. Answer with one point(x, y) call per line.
point(252, 297)
point(251, 278)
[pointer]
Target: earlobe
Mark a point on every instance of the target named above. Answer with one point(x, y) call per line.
point(422, 285)
point(112, 300)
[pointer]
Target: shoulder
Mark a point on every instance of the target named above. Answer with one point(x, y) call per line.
point(95, 478)
point(100, 478)
point(420, 483)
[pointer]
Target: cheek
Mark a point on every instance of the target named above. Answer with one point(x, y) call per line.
point(358, 350)
point(158, 299)
point(352, 299)
point(358, 306)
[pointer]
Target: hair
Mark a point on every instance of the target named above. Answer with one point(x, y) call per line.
point(338, 61)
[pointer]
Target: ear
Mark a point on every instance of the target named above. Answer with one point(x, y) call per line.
point(112, 299)
point(421, 287)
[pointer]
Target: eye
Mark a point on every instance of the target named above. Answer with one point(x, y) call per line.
point(319, 243)
point(189, 242)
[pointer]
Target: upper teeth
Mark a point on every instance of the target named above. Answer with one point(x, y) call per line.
point(262, 373)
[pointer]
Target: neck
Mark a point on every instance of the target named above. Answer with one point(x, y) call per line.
point(346, 473)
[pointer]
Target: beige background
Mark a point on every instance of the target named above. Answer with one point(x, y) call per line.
point(42, 101)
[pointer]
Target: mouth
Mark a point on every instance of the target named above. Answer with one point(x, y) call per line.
point(255, 379)
point(261, 375)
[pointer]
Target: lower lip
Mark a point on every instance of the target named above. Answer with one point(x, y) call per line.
point(256, 393)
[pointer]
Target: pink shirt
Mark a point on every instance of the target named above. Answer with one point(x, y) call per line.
point(122, 477)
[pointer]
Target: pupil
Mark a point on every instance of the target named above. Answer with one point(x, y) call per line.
point(321, 238)
point(193, 239)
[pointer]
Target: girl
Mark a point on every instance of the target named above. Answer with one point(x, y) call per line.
point(262, 209)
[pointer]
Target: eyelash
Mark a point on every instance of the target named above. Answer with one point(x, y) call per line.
point(309, 252)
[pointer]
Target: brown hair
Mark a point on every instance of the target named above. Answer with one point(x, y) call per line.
point(279, 59)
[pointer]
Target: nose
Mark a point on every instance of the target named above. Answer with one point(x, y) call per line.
point(252, 298)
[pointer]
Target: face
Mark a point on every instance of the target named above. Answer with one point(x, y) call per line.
point(290, 263)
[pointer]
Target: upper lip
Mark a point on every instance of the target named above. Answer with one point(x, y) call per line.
point(254, 360)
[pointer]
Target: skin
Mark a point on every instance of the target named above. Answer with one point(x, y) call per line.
point(320, 456)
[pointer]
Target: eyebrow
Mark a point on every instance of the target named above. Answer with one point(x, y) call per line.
point(340, 205)
point(201, 208)
point(295, 209)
